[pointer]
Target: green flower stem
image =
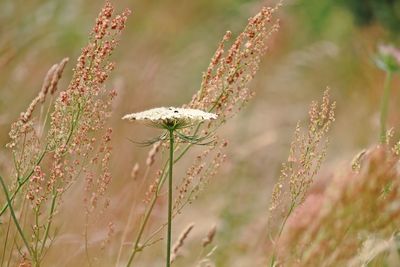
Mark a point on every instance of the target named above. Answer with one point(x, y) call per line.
point(137, 246)
point(292, 206)
point(385, 106)
point(21, 233)
point(171, 164)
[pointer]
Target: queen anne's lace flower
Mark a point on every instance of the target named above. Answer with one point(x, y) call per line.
point(164, 114)
point(172, 120)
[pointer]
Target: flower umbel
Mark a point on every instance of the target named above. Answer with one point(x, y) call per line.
point(172, 118)
point(166, 116)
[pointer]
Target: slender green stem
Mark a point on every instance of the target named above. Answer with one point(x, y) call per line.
point(385, 106)
point(292, 207)
point(3, 256)
point(273, 259)
point(178, 209)
point(21, 233)
point(130, 217)
point(171, 164)
point(137, 247)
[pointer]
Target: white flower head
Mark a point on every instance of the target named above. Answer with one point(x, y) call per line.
point(168, 115)
point(173, 119)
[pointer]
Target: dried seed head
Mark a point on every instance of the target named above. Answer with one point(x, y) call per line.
point(135, 171)
point(307, 152)
point(179, 243)
point(152, 154)
point(46, 82)
point(57, 75)
point(210, 236)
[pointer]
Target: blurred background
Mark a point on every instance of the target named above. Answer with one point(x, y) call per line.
point(163, 52)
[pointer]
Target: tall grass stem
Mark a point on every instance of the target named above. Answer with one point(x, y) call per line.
point(21, 233)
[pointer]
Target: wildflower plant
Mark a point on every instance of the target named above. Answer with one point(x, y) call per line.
point(172, 120)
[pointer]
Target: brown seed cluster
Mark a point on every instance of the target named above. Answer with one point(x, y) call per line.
point(224, 86)
point(329, 228)
point(224, 90)
point(82, 110)
point(97, 183)
point(306, 155)
point(35, 188)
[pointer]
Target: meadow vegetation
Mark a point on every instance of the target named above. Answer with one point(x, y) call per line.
point(206, 187)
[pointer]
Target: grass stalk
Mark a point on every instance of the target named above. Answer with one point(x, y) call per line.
point(136, 247)
point(21, 233)
point(130, 217)
point(3, 255)
point(273, 258)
